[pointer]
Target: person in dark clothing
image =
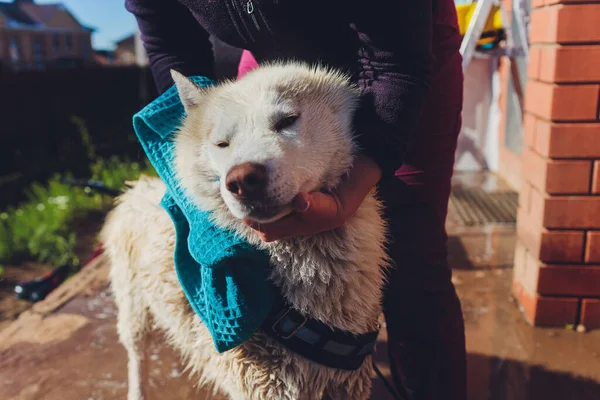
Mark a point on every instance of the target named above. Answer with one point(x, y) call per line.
point(404, 56)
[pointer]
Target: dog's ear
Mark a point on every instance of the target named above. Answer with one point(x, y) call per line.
point(190, 94)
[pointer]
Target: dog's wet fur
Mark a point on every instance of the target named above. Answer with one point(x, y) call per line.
point(243, 151)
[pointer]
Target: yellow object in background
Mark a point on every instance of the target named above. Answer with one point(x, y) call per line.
point(493, 29)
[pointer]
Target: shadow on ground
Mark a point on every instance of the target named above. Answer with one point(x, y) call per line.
point(495, 378)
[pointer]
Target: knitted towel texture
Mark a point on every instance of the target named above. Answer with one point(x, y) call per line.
point(223, 277)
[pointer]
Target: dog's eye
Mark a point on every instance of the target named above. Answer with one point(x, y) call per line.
point(286, 122)
point(222, 144)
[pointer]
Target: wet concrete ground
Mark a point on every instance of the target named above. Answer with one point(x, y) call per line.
point(507, 358)
point(67, 349)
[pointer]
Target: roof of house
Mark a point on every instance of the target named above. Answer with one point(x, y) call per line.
point(14, 12)
point(129, 39)
point(106, 53)
point(40, 12)
point(33, 15)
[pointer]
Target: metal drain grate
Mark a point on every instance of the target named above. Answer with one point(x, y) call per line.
point(475, 206)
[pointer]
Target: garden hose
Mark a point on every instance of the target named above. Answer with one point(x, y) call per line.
point(37, 289)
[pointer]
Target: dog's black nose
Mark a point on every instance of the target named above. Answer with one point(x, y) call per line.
point(247, 181)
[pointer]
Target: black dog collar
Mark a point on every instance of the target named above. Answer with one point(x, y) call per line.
point(317, 341)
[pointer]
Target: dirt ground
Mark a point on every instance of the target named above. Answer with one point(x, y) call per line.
point(10, 306)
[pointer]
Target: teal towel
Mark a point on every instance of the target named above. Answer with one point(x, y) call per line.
point(224, 278)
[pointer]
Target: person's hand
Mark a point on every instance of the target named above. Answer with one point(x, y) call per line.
point(312, 213)
point(319, 212)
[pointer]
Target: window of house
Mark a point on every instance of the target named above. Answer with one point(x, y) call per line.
point(14, 50)
point(38, 52)
point(56, 42)
point(69, 42)
point(85, 47)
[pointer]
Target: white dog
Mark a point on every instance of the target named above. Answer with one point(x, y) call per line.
point(245, 149)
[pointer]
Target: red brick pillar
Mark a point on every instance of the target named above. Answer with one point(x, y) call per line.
point(557, 260)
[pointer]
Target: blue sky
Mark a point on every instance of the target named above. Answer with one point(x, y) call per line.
point(109, 17)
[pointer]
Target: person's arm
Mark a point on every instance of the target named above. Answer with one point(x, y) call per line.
point(396, 57)
point(173, 39)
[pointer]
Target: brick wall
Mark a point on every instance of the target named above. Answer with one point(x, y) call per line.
point(557, 260)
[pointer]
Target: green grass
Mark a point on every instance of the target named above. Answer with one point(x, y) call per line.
point(40, 229)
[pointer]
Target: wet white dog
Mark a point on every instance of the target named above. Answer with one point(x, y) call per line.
point(245, 149)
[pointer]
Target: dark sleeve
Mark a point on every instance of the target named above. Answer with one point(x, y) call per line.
point(173, 39)
point(396, 57)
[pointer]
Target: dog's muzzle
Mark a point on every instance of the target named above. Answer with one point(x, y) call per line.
point(247, 182)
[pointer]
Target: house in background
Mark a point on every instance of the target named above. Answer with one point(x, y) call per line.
point(125, 51)
point(37, 36)
point(130, 51)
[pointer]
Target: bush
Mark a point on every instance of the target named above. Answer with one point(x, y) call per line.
point(40, 229)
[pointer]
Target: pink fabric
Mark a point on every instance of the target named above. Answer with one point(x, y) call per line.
point(247, 63)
